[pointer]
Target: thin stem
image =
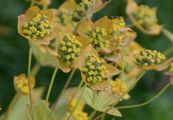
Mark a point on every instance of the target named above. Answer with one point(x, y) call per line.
point(92, 114)
point(29, 81)
point(79, 87)
point(103, 116)
point(80, 96)
point(148, 101)
point(51, 84)
point(32, 4)
point(168, 34)
point(66, 85)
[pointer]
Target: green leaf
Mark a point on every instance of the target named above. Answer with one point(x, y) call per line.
point(17, 109)
point(100, 101)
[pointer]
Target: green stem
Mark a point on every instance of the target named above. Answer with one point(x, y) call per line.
point(92, 114)
point(147, 102)
point(51, 84)
point(168, 34)
point(80, 96)
point(65, 86)
point(29, 81)
point(32, 4)
point(103, 116)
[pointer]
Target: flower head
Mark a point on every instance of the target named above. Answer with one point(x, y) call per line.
point(143, 17)
point(118, 87)
point(37, 25)
point(82, 9)
point(94, 69)
point(65, 17)
point(150, 57)
point(80, 115)
point(70, 48)
point(98, 39)
point(117, 24)
point(21, 84)
point(37, 28)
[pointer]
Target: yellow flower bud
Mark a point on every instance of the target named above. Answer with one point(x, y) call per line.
point(21, 84)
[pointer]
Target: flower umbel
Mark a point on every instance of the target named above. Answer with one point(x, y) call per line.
point(70, 48)
point(82, 9)
point(80, 115)
point(37, 28)
point(65, 17)
point(21, 83)
point(146, 16)
point(118, 87)
point(97, 38)
point(117, 25)
point(94, 69)
point(150, 57)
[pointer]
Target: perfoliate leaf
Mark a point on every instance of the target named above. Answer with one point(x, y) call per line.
point(100, 101)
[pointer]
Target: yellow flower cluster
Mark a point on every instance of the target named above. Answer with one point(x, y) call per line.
point(117, 25)
point(82, 9)
point(97, 38)
point(94, 70)
point(146, 16)
point(73, 103)
point(21, 84)
point(70, 48)
point(118, 87)
point(65, 17)
point(78, 114)
point(149, 57)
point(37, 28)
point(171, 68)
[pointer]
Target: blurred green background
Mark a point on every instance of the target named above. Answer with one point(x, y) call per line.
point(14, 52)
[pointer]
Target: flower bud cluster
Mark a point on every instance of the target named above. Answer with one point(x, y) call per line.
point(94, 70)
point(21, 83)
point(37, 28)
point(118, 87)
point(70, 48)
point(150, 57)
point(65, 17)
point(146, 16)
point(78, 114)
point(82, 8)
point(97, 38)
point(117, 25)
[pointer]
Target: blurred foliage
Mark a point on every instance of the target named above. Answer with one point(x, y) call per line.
point(14, 52)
